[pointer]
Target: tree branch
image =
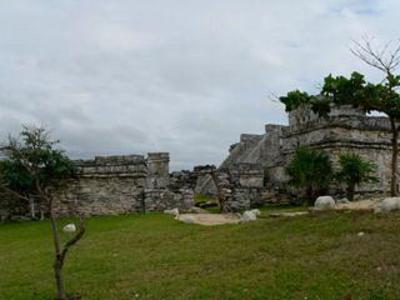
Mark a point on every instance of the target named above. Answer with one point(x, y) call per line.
point(75, 238)
point(386, 59)
point(14, 193)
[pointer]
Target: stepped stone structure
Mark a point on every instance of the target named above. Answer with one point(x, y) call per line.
point(346, 129)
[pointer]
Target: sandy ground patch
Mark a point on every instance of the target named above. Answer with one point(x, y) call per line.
point(363, 205)
point(209, 219)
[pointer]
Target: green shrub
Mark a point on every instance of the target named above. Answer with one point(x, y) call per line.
point(310, 171)
point(354, 171)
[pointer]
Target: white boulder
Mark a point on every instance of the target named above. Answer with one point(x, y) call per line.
point(257, 212)
point(324, 203)
point(388, 205)
point(248, 216)
point(173, 212)
point(69, 228)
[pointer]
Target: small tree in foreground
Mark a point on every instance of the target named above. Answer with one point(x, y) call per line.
point(310, 170)
point(354, 171)
point(34, 168)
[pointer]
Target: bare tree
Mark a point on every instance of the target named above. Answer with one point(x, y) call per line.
point(385, 58)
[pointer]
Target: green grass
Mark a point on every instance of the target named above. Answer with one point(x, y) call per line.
point(155, 257)
point(200, 198)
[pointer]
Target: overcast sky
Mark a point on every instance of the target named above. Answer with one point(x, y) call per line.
point(187, 77)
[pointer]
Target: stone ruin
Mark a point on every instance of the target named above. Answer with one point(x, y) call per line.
point(124, 184)
point(133, 183)
point(345, 129)
point(252, 175)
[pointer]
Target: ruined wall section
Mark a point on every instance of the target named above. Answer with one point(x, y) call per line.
point(346, 129)
point(247, 181)
point(355, 132)
point(248, 165)
point(105, 185)
point(123, 184)
point(205, 184)
point(160, 192)
point(158, 170)
point(305, 115)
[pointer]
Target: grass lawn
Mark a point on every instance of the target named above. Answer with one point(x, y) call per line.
point(154, 257)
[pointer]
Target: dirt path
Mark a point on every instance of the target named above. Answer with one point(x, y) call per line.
point(209, 219)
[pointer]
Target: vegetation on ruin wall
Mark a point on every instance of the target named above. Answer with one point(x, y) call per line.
point(155, 257)
point(383, 97)
point(296, 98)
point(311, 172)
point(355, 171)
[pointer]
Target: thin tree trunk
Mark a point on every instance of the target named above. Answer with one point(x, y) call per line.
point(395, 152)
point(59, 260)
point(58, 266)
point(350, 192)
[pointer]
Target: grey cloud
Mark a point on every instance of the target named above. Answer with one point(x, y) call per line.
point(119, 77)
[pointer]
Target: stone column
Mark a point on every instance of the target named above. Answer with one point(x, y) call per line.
point(158, 170)
point(157, 181)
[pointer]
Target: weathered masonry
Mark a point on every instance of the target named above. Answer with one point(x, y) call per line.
point(123, 184)
point(346, 129)
point(253, 173)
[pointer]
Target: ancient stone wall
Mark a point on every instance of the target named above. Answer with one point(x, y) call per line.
point(106, 185)
point(205, 184)
point(346, 129)
point(305, 115)
point(123, 184)
point(157, 170)
point(369, 137)
point(243, 186)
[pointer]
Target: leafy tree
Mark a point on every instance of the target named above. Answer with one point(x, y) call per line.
point(354, 171)
point(342, 90)
point(296, 98)
point(34, 168)
point(310, 170)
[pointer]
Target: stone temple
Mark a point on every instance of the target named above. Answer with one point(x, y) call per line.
point(252, 174)
point(346, 129)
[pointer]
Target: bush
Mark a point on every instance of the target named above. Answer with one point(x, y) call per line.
point(354, 171)
point(311, 171)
